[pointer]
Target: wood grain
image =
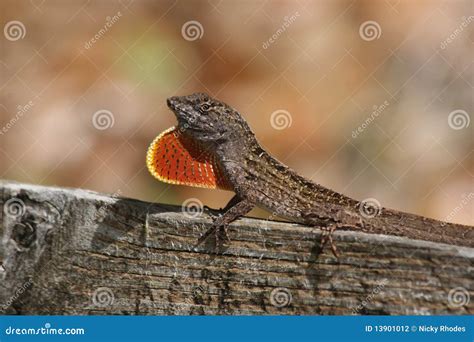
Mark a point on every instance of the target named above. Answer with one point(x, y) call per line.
point(71, 251)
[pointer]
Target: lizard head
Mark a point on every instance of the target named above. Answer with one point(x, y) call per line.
point(207, 119)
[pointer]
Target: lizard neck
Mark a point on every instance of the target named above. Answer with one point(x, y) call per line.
point(237, 147)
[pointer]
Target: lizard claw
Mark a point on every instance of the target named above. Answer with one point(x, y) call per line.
point(327, 236)
point(220, 236)
point(213, 213)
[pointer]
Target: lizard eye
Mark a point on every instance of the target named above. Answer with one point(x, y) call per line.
point(204, 107)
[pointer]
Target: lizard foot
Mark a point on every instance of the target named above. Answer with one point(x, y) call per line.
point(219, 234)
point(213, 213)
point(327, 236)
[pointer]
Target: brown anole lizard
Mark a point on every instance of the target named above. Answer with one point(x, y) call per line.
point(214, 147)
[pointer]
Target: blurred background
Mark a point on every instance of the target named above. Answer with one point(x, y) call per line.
point(370, 98)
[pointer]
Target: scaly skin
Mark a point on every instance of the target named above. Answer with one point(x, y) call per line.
point(260, 180)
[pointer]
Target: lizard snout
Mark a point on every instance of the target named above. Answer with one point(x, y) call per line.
point(171, 102)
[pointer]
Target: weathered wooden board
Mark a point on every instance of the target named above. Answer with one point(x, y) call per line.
point(71, 251)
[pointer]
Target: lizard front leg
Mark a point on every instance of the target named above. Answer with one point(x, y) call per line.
point(214, 213)
point(339, 218)
point(234, 209)
point(327, 237)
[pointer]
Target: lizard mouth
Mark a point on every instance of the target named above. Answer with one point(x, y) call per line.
point(185, 125)
point(171, 102)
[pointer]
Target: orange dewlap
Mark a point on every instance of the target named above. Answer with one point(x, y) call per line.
point(173, 158)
